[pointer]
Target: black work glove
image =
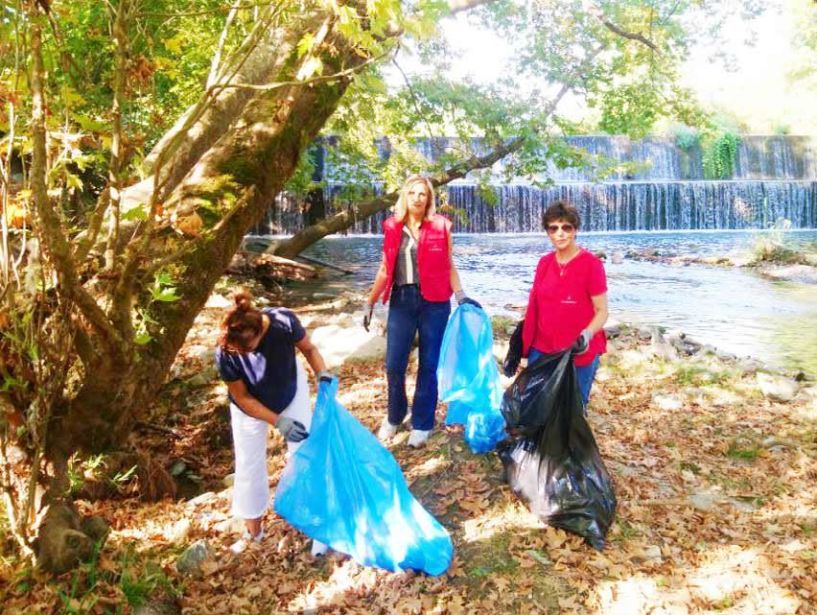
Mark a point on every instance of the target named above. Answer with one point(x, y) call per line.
point(582, 342)
point(463, 298)
point(367, 315)
point(292, 430)
point(325, 376)
point(514, 354)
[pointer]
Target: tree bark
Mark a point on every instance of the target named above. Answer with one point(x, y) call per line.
point(238, 177)
point(204, 123)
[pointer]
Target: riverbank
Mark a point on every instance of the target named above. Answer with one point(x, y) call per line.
point(773, 262)
point(714, 474)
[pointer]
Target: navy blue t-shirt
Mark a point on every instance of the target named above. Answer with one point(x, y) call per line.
point(269, 372)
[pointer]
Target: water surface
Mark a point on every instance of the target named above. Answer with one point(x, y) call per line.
point(733, 309)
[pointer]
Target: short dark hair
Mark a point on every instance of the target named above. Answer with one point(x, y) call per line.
point(560, 210)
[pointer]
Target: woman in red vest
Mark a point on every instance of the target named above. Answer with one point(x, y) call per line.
point(417, 276)
point(567, 307)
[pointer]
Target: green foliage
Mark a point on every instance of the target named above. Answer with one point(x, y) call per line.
point(164, 288)
point(774, 246)
point(719, 154)
point(132, 575)
point(738, 450)
point(686, 137)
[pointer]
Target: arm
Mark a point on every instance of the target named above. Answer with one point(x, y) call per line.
point(312, 355)
point(379, 283)
point(249, 404)
point(531, 317)
point(600, 317)
point(456, 285)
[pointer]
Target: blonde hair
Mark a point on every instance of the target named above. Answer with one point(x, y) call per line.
point(401, 207)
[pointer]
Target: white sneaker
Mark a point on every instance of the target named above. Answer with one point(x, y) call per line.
point(318, 548)
point(418, 437)
point(240, 545)
point(386, 431)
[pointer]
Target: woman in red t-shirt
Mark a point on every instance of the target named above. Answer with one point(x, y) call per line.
point(567, 307)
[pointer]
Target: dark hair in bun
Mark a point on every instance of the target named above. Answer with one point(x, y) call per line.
point(241, 325)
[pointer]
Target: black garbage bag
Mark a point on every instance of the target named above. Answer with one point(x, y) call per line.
point(514, 355)
point(554, 463)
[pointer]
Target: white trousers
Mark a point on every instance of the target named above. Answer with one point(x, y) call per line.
point(251, 494)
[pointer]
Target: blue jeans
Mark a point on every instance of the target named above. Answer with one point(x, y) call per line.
point(584, 374)
point(408, 313)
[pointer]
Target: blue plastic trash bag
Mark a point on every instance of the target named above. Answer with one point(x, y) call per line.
point(468, 378)
point(343, 488)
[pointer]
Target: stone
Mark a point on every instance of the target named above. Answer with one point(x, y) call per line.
point(229, 480)
point(205, 377)
point(218, 301)
point(667, 402)
point(613, 331)
point(749, 365)
point(157, 606)
point(342, 343)
point(660, 347)
point(653, 554)
point(204, 498)
point(191, 560)
point(230, 525)
point(179, 531)
point(776, 388)
point(96, 527)
point(704, 501)
point(177, 467)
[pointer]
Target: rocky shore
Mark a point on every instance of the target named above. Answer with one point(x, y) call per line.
point(803, 271)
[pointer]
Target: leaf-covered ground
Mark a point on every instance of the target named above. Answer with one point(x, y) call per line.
point(717, 509)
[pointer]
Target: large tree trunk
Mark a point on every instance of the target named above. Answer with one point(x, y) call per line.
point(238, 177)
point(258, 61)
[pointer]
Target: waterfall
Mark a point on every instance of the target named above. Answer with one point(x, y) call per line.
point(663, 188)
point(642, 205)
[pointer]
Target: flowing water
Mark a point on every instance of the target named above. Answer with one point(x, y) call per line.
point(731, 308)
point(657, 186)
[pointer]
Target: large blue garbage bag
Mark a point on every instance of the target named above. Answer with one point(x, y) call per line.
point(468, 378)
point(343, 488)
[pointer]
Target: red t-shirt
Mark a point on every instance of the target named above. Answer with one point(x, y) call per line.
point(561, 306)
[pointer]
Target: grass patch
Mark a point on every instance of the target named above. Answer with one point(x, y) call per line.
point(746, 452)
point(692, 467)
point(624, 531)
point(772, 249)
point(501, 324)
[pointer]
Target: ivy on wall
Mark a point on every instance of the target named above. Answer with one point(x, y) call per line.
point(719, 154)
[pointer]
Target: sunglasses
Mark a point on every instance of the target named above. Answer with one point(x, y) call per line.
point(554, 228)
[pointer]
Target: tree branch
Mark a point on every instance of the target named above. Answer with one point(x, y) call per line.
point(293, 246)
point(597, 12)
point(52, 233)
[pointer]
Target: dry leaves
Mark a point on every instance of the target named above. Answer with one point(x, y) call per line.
point(717, 512)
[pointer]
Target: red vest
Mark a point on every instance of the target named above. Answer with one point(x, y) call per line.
point(433, 260)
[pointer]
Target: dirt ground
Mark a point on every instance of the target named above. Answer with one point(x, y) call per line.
point(717, 507)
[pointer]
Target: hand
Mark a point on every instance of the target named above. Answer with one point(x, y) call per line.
point(325, 376)
point(582, 342)
point(367, 315)
point(292, 430)
point(514, 355)
point(463, 298)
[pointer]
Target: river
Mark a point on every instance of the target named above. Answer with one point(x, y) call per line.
point(733, 309)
